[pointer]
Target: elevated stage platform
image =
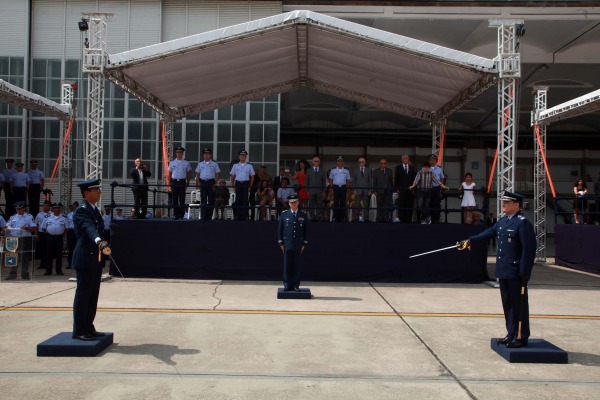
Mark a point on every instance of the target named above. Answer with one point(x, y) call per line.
point(342, 252)
point(577, 247)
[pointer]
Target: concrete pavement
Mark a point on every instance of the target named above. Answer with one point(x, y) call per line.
point(234, 340)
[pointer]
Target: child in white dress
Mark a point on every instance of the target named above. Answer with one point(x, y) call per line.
point(467, 188)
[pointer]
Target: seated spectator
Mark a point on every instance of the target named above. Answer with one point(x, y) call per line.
point(327, 203)
point(580, 190)
point(283, 193)
point(350, 204)
point(221, 198)
point(265, 195)
point(476, 220)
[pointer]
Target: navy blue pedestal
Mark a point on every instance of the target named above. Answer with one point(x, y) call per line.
point(538, 351)
point(63, 345)
point(302, 294)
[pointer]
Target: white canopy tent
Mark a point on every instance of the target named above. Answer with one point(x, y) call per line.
point(11, 94)
point(298, 49)
point(585, 104)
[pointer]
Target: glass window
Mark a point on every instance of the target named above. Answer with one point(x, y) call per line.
point(224, 152)
point(54, 68)
point(72, 69)
point(192, 133)
point(224, 133)
point(192, 152)
point(14, 130)
point(208, 116)
point(239, 112)
point(135, 108)
point(118, 93)
point(134, 149)
point(148, 112)
point(256, 112)
point(225, 114)
point(271, 111)
point(17, 66)
point(177, 129)
point(117, 169)
point(194, 117)
point(116, 150)
point(256, 152)
point(38, 86)
point(38, 129)
point(117, 131)
point(51, 149)
point(117, 108)
point(135, 130)
point(238, 132)
point(270, 154)
point(53, 129)
point(256, 133)
point(39, 69)
point(54, 90)
point(4, 66)
point(148, 150)
point(149, 130)
point(3, 108)
point(271, 133)
point(37, 149)
point(275, 97)
point(207, 133)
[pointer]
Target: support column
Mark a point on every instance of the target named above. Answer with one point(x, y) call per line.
point(438, 127)
point(508, 63)
point(65, 178)
point(94, 57)
point(540, 179)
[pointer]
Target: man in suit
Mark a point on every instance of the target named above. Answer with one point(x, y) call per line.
point(316, 182)
point(292, 239)
point(383, 185)
point(363, 183)
point(87, 261)
point(516, 253)
point(139, 174)
point(403, 178)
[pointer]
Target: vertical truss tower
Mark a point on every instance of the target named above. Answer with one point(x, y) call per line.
point(94, 56)
point(65, 179)
point(437, 129)
point(508, 63)
point(540, 179)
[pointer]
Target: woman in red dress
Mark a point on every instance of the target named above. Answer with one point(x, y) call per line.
point(300, 175)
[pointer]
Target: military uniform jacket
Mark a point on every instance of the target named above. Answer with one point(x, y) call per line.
point(291, 232)
point(88, 226)
point(516, 246)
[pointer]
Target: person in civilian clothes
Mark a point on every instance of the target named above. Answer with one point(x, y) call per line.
point(383, 186)
point(55, 228)
point(403, 178)
point(180, 174)
point(8, 197)
point(20, 184)
point(139, 175)
point(242, 177)
point(292, 239)
point(21, 225)
point(424, 181)
point(316, 184)
point(87, 261)
point(362, 183)
point(340, 180)
point(36, 186)
point(41, 244)
point(71, 240)
point(207, 175)
point(221, 198)
point(514, 262)
point(435, 201)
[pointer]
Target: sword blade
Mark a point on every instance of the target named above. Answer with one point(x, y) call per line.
point(434, 251)
point(118, 269)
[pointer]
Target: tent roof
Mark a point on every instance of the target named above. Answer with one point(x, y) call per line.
point(587, 103)
point(301, 49)
point(12, 94)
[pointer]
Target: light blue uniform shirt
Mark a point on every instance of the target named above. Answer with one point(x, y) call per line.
point(207, 170)
point(36, 176)
point(55, 225)
point(70, 225)
point(340, 176)
point(8, 173)
point(20, 179)
point(106, 220)
point(2, 222)
point(437, 171)
point(179, 168)
point(39, 219)
point(2, 179)
point(284, 192)
point(16, 221)
point(242, 172)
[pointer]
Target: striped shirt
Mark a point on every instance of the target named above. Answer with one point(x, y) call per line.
point(426, 180)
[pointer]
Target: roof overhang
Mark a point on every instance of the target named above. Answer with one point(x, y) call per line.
point(585, 104)
point(298, 49)
point(12, 94)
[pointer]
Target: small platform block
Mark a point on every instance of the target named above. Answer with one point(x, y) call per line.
point(63, 345)
point(538, 351)
point(302, 294)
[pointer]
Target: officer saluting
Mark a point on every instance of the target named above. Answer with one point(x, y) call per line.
point(89, 228)
point(291, 233)
point(514, 262)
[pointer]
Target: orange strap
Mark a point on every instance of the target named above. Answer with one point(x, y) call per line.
point(442, 142)
point(62, 150)
point(165, 155)
point(543, 153)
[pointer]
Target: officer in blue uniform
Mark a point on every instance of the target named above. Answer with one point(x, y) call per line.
point(180, 173)
point(207, 175)
point(19, 184)
point(242, 178)
point(292, 239)
point(514, 262)
point(54, 227)
point(89, 227)
point(21, 224)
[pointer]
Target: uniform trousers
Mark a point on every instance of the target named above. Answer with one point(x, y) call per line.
point(291, 269)
point(207, 198)
point(435, 204)
point(71, 242)
point(241, 200)
point(510, 292)
point(178, 193)
point(8, 200)
point(339, 202)
point(54, 245)
point(34, 198)
point(86, 301)
point(140, 199)
point(19, 193)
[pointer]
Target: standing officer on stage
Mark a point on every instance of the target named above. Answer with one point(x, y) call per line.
point(207, 174)
point(140, 174)
point(292, 239)
point(8, 197)
point(55, 228)
point(514, 262)
point(242, 177)
point(180, 173)
point(339, 179)
point(36, 186)
point(87, 261)
point(19, 183)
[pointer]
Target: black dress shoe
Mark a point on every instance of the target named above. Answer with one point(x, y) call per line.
point(59, 273)
point(285, 289)
point(25, 277)
point(507, 339)
point(84, 337)
point(296, 289)
point(516, 344)
point(98, 334)
point(47, 273)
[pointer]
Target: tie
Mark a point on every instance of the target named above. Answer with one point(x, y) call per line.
point(316, 170)
point(362, 171)
point(383, 171)
point(294, 214)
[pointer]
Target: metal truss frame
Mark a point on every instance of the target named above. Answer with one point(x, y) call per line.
point(11, 94)
point(94, 57)
point(65, 179)
point(169, 126)
point(540, 179)
point(508, 63)
point(437, 130)
point(581, 105)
